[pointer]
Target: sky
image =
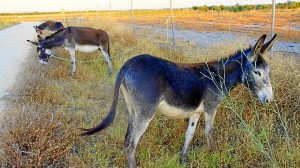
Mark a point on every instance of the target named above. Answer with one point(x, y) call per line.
point(10, 6)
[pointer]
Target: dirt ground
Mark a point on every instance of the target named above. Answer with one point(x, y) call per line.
point(206, 40)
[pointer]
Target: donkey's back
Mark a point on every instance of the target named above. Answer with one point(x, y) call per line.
point(87, 35)
point(163, 82)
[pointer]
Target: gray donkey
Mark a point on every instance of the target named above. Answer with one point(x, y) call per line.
point(84, 39)
point(150, 84)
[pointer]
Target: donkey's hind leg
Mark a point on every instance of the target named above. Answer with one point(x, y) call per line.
point(106, 56)
point(189, 136)
point(144, 113)
point(209, 121)
point(139, 126)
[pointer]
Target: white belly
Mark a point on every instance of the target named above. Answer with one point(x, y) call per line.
point(86, 48)
point(175, 112)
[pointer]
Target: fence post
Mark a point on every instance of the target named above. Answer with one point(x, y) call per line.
point(229, 23)
point(172, 20)
point(273, 18)
point(109, 8)
point(273, 23)
point(63, 14)
point(168, 30)
point(132, 16)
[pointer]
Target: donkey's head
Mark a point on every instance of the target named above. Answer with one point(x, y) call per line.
point(43, 53)
point(256, 75)
point(38, 30)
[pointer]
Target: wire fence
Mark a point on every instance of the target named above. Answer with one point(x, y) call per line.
point(207, 30)
point(214, 26)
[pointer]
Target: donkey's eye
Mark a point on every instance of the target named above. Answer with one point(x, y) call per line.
point(257, 73)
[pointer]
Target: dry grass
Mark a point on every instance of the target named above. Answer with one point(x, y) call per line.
point(47, 106)
point(253, 23)
point(4, 25)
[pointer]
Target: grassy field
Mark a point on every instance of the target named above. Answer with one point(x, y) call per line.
point(47, 105)
point(252, 23)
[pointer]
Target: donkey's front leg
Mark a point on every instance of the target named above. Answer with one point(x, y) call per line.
point(72, 57)
point(189, 136)
point(209, 121)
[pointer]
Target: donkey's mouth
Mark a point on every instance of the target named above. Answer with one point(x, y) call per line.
point(43, 62)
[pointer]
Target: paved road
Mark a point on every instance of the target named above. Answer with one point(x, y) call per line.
point(13, 51)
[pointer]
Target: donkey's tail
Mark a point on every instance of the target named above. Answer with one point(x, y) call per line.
point(108, 50)
point(111, 116)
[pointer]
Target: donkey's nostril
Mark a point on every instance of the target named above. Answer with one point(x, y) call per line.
point(267, 101)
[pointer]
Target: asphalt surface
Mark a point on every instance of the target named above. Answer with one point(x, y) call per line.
point(13, 51)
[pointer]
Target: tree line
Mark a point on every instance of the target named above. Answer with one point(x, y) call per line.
point(239, 8)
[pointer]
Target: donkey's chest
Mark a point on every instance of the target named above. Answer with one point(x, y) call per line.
point(86, 48)
point(178, 112)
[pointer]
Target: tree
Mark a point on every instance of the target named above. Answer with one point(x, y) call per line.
point(195, 7)
point(222, 7)
point(216, 8)
point(203, 8)
point(293, 5)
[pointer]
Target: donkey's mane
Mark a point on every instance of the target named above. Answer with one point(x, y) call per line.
point(54, 34)
point(52, 41)
point(43, 24)
point(237, 55)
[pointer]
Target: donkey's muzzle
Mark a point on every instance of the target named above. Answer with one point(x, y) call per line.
point(43, 62)
point(267, 98)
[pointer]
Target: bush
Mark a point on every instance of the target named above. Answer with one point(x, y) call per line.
point(204, 8)
point(195, 7)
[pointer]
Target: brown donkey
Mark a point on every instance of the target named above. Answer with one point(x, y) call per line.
point(75, 38)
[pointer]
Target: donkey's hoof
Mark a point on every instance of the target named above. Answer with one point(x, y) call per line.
point(184, 160)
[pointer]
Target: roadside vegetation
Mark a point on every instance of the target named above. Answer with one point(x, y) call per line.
point(4, 25)
point(240, 8)
point(46, 107)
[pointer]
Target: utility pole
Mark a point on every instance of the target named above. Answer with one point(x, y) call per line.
point(109, 8)
point(273, 17)
point(63, 13)
point(96, 12)
point(172, 20)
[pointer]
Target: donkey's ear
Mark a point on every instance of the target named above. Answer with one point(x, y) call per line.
point(33, 42)
point(40, 38)
point(268, 46)
point(257, 48)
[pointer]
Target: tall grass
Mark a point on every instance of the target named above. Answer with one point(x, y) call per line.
point(46, 106)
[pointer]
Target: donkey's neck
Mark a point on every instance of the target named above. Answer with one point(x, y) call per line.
point(55, 40)
point(230, 75)
point(230, 70)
